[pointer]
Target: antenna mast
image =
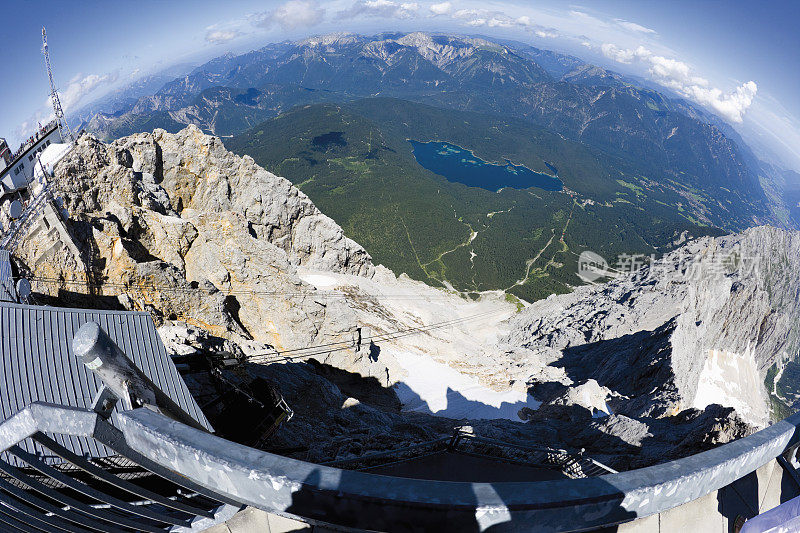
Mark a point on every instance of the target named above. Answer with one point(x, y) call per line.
point(63, 127)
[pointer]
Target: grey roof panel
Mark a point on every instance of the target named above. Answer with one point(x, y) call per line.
point(37, 363)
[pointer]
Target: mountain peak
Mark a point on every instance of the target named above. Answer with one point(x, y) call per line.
point(442, 49)
point(330, 39)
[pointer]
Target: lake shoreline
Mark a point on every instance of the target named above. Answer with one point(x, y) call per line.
point(452, 163)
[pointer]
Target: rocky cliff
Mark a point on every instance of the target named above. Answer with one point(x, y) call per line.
point(178, 226)
point(701, 326)
point(230, 258)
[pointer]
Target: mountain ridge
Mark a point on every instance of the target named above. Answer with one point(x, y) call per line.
point(478, 75)
point(215, 248)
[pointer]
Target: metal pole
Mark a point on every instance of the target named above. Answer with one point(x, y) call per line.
point(63, 127)
point(121, 375)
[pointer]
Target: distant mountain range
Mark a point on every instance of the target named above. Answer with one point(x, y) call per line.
point(684, 161)
point(126, 97)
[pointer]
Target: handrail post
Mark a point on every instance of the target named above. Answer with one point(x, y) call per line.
point(109, 363)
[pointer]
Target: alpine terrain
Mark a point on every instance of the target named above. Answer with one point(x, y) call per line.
point(226, 256)
point(349, 119)
point(394, 265)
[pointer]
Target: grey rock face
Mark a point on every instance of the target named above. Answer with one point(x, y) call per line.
point(198, 173)
point(170, 173)
point(700, 326)
point(214, 248)
point(178, 226)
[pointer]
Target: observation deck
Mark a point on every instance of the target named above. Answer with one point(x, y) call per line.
point(183, 478)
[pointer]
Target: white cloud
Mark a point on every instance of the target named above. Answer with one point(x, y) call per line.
point(80, 86)
point(587, 19)
point(221, 36)
point(546, 34)
point(620, 55)
point(441, 9)
point(77, 89)
point(484, 17)
point(731, 106)
point(291, 15)
point(499, 19)
point(381, 8)
point(673, 70)
point(632, 26)
point(678, 76)
point(30, 126)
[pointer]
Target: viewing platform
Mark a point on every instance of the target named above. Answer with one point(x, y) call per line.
point(17, 169)
point(183, 478)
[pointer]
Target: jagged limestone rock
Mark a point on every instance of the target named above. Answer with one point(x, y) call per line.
point(199, 173)
point(176, 225)
point(217, 250)
point(698, 327)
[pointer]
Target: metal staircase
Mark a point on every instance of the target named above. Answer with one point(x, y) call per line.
point(20, 226)
point(573, 465)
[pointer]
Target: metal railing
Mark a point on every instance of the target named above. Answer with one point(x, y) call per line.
point(572, 465)
point(20, 227)
point(192, 466)
point(194, 478)
point(83, 494)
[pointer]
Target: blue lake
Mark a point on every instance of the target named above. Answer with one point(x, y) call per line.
point(462, 166)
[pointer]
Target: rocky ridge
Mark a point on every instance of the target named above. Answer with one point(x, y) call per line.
point(704, 324)
point(180, 227)
point(228, 257)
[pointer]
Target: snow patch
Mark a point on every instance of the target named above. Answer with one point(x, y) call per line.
point(732, 380)
point(596, 403)
point(320, 281)
point(436, 388)
point(50, 156)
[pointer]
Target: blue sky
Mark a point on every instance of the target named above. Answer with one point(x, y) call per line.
point(738, 59)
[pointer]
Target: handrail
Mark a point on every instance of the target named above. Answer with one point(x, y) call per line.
point(358, 499)
point(46, 417)
point(101, 355)
point(238, 475)
point(159, 507)
point(245, 476)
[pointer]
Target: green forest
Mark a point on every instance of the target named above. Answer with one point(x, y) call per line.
point(355, 163)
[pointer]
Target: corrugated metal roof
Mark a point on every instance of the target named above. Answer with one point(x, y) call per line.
point(8, 292)
point(37, 363)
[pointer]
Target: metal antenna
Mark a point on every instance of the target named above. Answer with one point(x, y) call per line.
point(63, 127)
